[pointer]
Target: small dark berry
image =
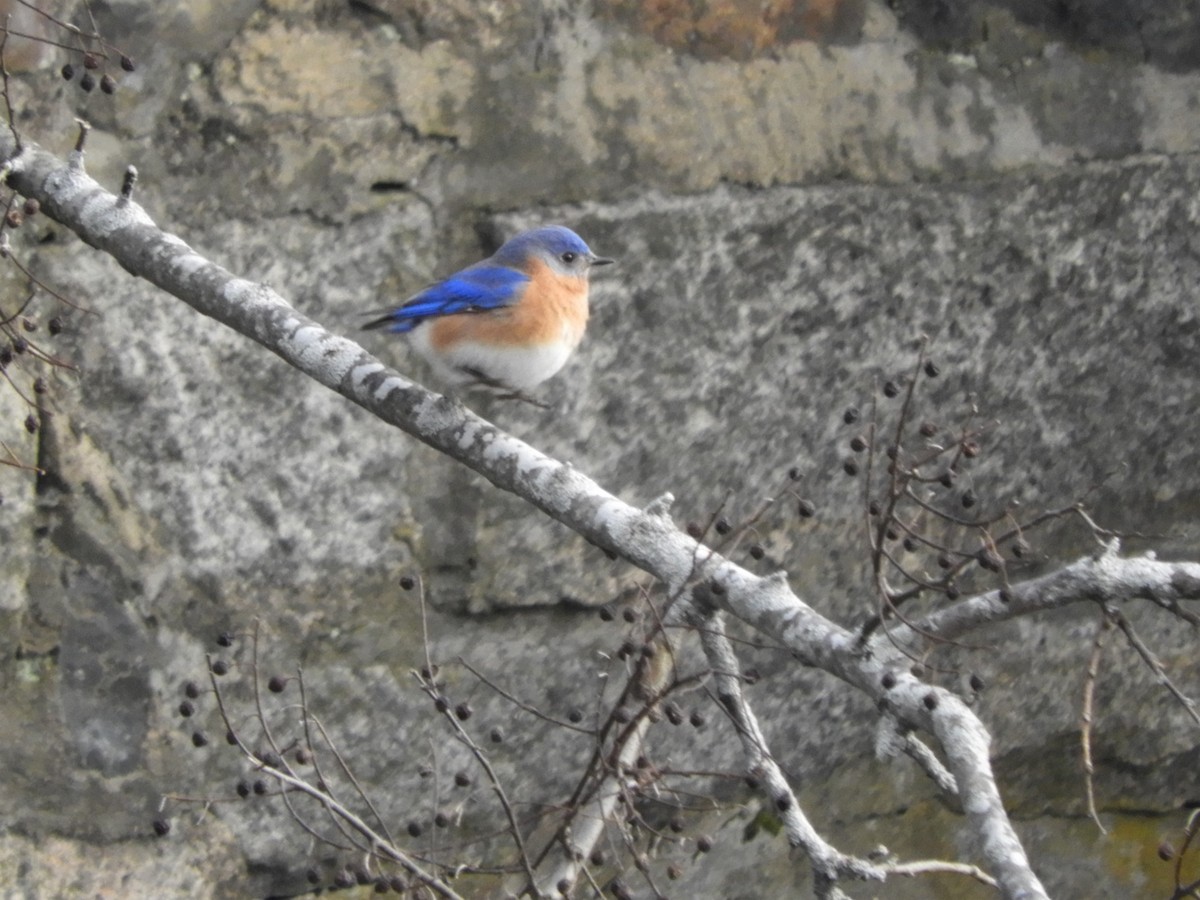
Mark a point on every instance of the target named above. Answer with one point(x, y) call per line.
point(1166, 852)
point(597, 858)
point(220, 667)
point(226, 639)
point(944, 561)
point(890, 389)
point(87, 82)
point(694, 531)
point(428, 673)
point(575, 716)
point(756, 551)
point(794, 473)
point(414, 829)
point(874, 508)
point(850, 467)
point(127, 64)
point(31, 423)
point(946, 478)
point(629, 614)
point(988, 560)
point(441, 819)
point(976, 683)
point(67, 72)
point(344, 878)
point(260, 787)
point(40, 386)
point(407, 582)
point(806, 509)
point(312, 876)
point(564, 886)
point(270, 758)
point(850, 416)
point(231, 738)
point(888, 681)
point(606, 614)
point(90, 61)
point(304, 756)
point(243, 789)
point(186, 708)
point(928, 429)
point(968, 499)
point(673, 712)
point(199, 739)
point(56, 325)
point(441, 704)
point(108, 84)
point(621, 715)
point(858, 443)
point(276, 684)
point(497, 736)
point(676, 824)
point(697, 719)
point(162, 827)
point(704, 843)
point(462, 779)
point(723, 527)
point(931, 369)
point(952, 591)
point(191, 690)
point(783, 802)
point(930, 701)
point(910, 544)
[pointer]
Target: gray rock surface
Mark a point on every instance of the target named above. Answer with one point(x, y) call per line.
point(792, 207)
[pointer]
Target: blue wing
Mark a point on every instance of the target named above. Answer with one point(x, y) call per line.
point(476, 289)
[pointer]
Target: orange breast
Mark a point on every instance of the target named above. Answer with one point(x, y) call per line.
point(552, 309)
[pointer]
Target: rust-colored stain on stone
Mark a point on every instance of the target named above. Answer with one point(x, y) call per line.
point(738, 29)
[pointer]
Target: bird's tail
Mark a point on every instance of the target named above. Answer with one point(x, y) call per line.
point(389, 321)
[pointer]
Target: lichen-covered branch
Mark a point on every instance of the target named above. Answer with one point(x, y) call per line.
point(649, 539)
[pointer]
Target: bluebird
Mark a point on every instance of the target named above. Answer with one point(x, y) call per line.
point(507, 323)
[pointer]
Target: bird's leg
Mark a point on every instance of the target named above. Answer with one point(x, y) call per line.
point(502, 391)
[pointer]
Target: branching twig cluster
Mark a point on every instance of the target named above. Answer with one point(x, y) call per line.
point(698, 584)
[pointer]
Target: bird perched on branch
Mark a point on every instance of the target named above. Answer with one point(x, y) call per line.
point(507, 323)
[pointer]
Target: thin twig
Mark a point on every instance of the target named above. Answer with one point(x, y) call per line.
point(1087, 717)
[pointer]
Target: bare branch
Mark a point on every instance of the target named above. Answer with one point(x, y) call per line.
point(649, 541)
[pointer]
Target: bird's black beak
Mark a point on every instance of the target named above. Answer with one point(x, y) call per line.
point(601, 261)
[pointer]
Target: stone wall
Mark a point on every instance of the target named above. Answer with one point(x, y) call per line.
point(796, 193)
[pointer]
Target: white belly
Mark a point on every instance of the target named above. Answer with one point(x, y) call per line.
point(513, 369)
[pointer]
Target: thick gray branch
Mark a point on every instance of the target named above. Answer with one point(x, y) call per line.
point(648, 539)
point(1101, 578)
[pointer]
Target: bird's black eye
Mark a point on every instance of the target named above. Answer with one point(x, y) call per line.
point(568, 257)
